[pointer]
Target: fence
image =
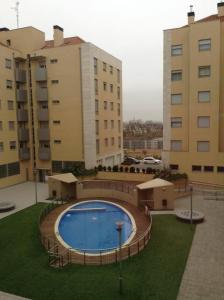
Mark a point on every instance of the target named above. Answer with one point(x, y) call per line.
point(109, 185)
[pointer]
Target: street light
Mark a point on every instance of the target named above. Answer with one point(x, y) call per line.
point(35, 184)
point(191, 212)
point(119, 230)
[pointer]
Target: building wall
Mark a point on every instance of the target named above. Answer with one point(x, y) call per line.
point(190, 108)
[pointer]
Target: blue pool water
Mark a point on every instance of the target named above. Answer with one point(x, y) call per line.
point(91, 226)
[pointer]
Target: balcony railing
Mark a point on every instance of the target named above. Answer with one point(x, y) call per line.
point(22, 115)
point(44, 153)
point(42, 94)
point(20, 76)
point(41, 74)
point(43, 115)
point(21, 95)
point(24, 153)
point(44, 134)
point(23, 134)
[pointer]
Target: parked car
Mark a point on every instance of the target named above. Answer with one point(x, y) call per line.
point(150, 160)
point(130, 161)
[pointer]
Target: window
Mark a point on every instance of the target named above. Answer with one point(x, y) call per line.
point(176, 50)
point(12, 145)
point(220, 169)
point(105, 124)
point(8, 63)
point(53, 61)
point(56, 101)
point(119, 142)
point(208, 169)
point(10, 105)
point(57, 141)
point(176, 99)
point(174, 167)
point(176, 122)
point(112, 124)
point(13, 169)
point(118, 92)
point(3, 171)
point(112, 141)
point(106, 142)
point(104, 86)
point(118, 109)
point(105, 105)
point(111, 88)
point(196, 168)
point(203, 122)
point(119, 125)
point(118, 76)
point(204, 71)
point(104, 67)
point(203, 146)
point(1, 126)
point(97, 146)
point(1, 147)
point(9, 84)
point(97, 126)
point(54, 81)
point(204, 96)
point(96, 106)
point(111, 69)
point(111, 106)
point(11, 125)
point(204, 45)
point(95, 66)
point(96, 86)
point(176, 75)
point(164, 203)
point(176, 145)
point(56, 122)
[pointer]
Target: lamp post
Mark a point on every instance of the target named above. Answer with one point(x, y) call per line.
point(35, 184)
point(191, 212)
point(119, 230)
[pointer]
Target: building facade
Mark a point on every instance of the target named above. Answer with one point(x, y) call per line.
point(194, 98)
point(60, 104)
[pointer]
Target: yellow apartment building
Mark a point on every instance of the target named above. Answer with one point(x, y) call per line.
point(60, 103)
point(194, 98)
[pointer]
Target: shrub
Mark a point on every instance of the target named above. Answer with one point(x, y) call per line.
point(143, 171)
point(109, 168)
point(100, 168)
point(137, 170)
point(115, 168)
point(104, 168)
point(121, 169)
point(167, 174)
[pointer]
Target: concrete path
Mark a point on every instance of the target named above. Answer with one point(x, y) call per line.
point(23, 195)
point(203, 278)
point(6, 296)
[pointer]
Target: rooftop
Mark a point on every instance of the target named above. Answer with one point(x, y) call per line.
point(74, 40)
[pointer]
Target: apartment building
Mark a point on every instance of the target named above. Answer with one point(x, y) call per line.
point(194, 98)
point(60, 103)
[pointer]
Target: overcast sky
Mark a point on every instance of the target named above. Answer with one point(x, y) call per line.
point(131, 30)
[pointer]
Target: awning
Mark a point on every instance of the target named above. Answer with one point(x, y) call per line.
point(66, 178)
point(155, 183)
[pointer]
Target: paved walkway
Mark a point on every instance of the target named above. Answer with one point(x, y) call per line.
point(23, 195)
point(5, 296)
point(203, 278)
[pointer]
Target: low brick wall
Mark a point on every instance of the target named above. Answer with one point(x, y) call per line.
point(123, 176)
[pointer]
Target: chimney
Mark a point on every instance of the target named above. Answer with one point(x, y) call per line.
point(58, 36)
point(191, 15)
point(220, 7)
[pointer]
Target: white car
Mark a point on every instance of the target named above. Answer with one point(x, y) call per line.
point(151, 160)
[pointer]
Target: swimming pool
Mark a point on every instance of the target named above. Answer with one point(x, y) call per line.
point(90, 226)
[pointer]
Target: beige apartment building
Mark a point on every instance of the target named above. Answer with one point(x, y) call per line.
point(60, 103)
point(194, 98)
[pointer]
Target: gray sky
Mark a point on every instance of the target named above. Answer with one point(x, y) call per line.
point(131, 30)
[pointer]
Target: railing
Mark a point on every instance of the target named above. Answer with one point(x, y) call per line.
point(109, 185)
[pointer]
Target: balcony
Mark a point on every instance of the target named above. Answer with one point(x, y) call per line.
point(22, 115)
point(41, 74)
point(42, 94)
point(44, 153)
point(23, 134)
point(21, 95)
point(44, 134)
point(24, 153)
point(43, 115)
point(20, 76)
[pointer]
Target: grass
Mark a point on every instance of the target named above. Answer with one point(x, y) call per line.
point(153, 274)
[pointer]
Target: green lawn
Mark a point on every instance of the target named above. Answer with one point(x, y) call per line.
point(153, 274)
